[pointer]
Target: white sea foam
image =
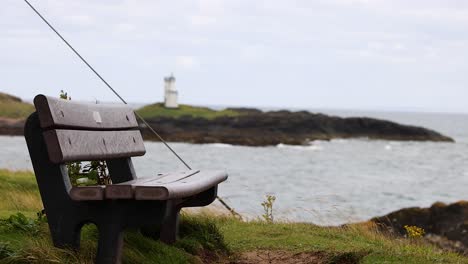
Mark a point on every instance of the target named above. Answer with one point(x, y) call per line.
point(220, 145)
point(299, 147)
point(338, 140)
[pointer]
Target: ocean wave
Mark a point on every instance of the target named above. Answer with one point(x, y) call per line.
point(340, 140)
point(220, 145)
point(308, 147)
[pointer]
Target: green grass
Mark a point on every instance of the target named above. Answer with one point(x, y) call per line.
point(18, 192)
point(25, 247)
point(13, 107)
point(203, 238)
point(158, 110)
point(359, 240)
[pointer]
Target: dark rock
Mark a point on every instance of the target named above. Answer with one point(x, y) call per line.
point(446, 244)
point(11, 127)
point(445, 225)
point(272, 128)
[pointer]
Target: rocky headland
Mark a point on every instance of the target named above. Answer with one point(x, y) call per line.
point(257, 128)
point(241, 126)
point(445, 226)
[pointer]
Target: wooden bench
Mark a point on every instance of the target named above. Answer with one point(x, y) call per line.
point(62, 131)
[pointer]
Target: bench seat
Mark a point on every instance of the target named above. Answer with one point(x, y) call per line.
point(166, 186)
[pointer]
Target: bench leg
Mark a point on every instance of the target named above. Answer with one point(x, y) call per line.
point(110, 244)
point(65, 235)
point(170, 226)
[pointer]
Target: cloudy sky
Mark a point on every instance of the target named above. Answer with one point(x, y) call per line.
point(350, 54)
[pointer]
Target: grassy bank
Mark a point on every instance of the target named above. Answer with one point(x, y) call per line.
point(158, 110)
point(204, 238)
point(13, 107)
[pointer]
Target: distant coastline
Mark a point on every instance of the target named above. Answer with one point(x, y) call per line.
point(256, 128)
point(243, 126)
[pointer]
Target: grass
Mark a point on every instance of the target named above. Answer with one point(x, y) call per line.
point(362, 241)
point(24, 247)
point(13, 107)
point(18, 192)
point(204, 238)
point(158, 110)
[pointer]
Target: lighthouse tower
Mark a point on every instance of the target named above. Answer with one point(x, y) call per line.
point(170, 92)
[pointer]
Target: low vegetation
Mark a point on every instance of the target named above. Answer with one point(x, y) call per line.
point(24, 238)
point(158, 110)
point(13, 107)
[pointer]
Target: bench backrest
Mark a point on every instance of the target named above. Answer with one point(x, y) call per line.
point(62, 130)
point(83, 131)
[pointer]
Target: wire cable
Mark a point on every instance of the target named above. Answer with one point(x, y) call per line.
point(123, 100)
point(106, 83)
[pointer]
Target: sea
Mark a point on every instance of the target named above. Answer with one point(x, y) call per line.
point(327, 182)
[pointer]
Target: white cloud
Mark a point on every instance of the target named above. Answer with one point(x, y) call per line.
point(202, 20)
point(186, 62)
point(81, 20)
point(272, 43)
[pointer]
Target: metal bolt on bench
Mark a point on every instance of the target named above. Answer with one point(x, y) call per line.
point(61, 131)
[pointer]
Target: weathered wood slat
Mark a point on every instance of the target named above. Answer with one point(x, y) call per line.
point(59, 113)
point(171, 177)
point(189, 186)
point(125, 190)
point(87, 193)
point(77, 145)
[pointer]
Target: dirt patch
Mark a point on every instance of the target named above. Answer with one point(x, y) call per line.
point(279, 256)
point(286, 257)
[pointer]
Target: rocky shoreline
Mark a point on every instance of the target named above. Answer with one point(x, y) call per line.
point(445, 226)
point(255, 128)
point(295, 128)
point(11, 127)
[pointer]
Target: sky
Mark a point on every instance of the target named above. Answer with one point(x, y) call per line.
point(341, 54)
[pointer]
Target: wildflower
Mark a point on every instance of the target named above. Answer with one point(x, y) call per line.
point(414, 231)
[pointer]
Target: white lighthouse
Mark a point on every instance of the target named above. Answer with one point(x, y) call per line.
point(170, 92)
